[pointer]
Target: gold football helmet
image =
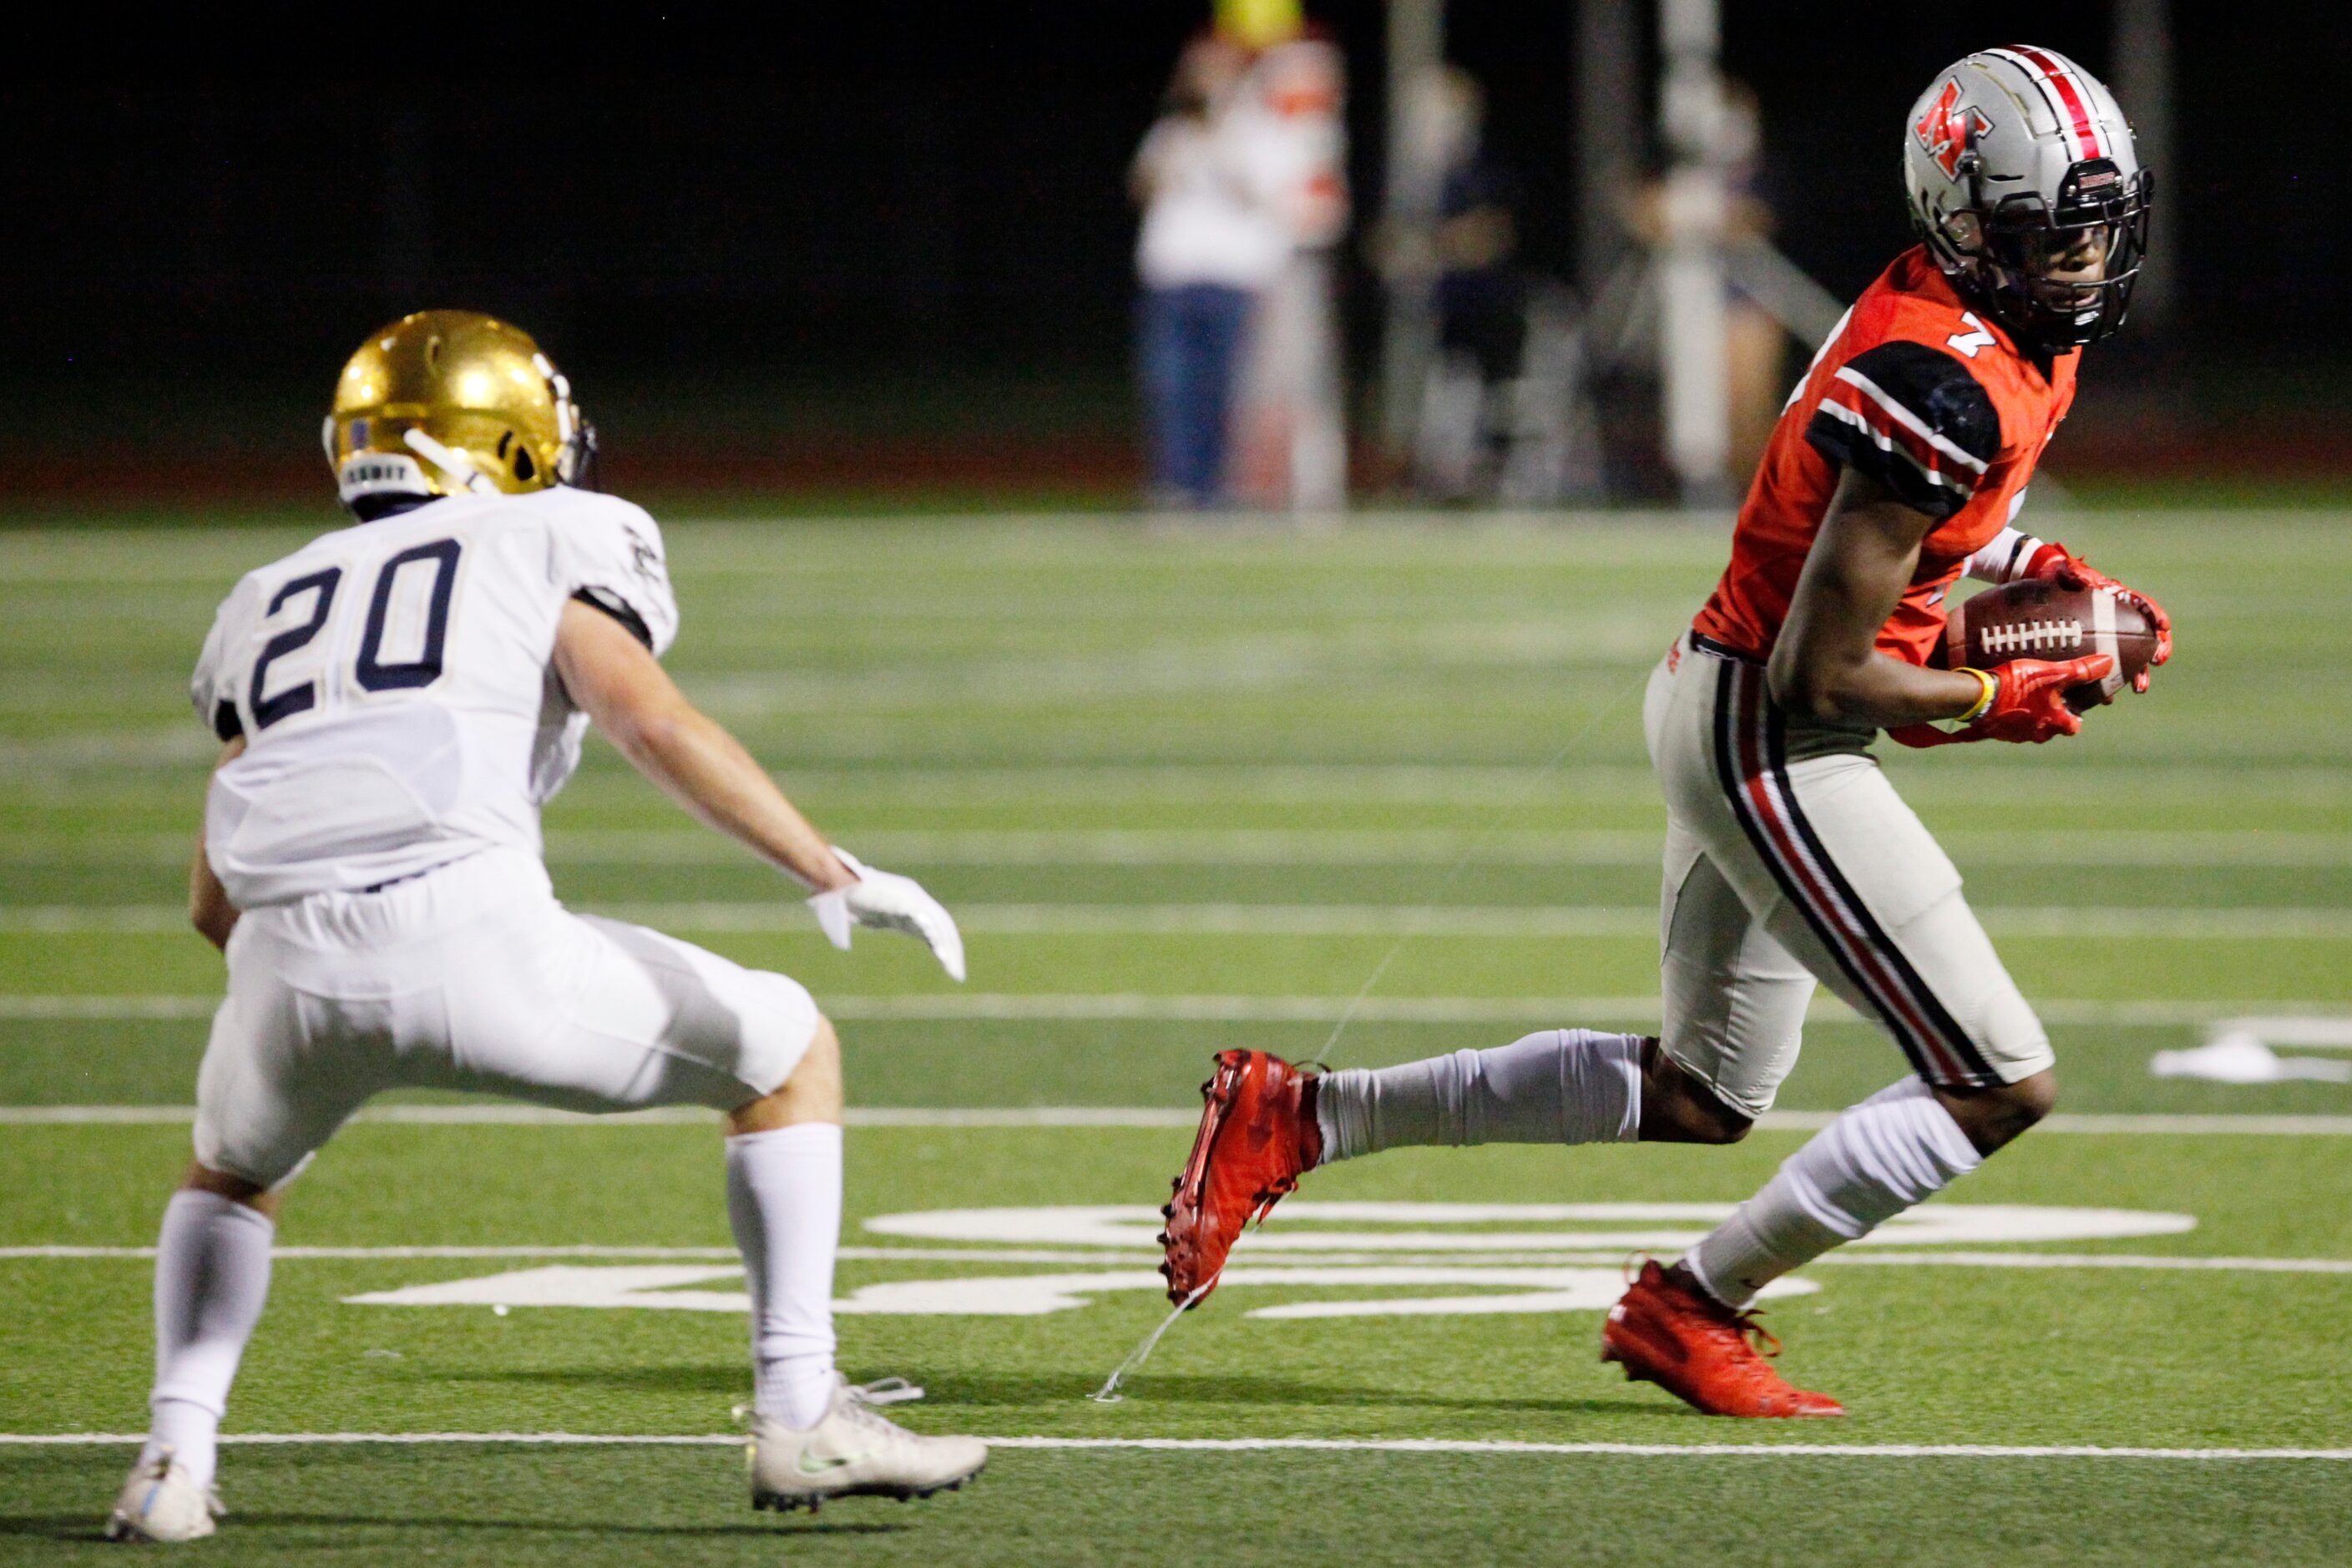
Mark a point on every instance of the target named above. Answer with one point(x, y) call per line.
point(448, 402)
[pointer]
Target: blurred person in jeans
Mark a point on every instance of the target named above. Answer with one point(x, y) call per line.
point(1292, 448)
point(1212, 240)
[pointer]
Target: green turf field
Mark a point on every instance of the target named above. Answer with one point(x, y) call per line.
point(1187, 791)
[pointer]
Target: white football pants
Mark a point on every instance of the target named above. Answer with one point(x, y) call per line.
point(473, 977)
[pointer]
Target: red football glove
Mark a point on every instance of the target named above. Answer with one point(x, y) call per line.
point(2029, 704)
point(2051, 563)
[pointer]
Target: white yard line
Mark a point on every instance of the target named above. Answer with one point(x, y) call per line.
point(1089, 1006)
point(1473, 784)
point(1262, 1251)
point(2095, 1260)
point(499, 1113)
point(1637, 846)
point(775, 916)
point(1443, 846)
point(1762, 1449)
point(711, 1254)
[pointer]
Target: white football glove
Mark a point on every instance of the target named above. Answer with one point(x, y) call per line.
point(888, 901)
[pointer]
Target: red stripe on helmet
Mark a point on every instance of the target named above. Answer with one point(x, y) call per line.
point(2086, 127)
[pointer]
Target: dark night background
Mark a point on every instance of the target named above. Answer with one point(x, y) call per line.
point(900, 231)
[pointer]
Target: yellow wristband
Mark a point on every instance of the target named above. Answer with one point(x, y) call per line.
point(1983, 704)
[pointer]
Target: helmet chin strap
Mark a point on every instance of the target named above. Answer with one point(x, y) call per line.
point(451, 462)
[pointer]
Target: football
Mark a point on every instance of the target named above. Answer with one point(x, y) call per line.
point(2042, 620)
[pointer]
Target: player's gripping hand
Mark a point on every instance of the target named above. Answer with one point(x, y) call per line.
point(888, 901)
point(2051, 563)
point(2029, 704)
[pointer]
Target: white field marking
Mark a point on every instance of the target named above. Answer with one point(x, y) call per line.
point(1122, 1225)
point(2238, 1050)
point(1613, 1257)
point(657, 1287)
point(1407, 651)
point(62, 1009)
point(2095, 1260)
point(500, 1113)
point(1421, 846)
point(922, 783)
point(916, 848)
point(727, 1254)
point(1086, 1006)
point(503, 1113)
point(1497, 1447)
point(787, 918)
point(1257, 784)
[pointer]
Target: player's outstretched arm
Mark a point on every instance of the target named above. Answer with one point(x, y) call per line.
point(209, 909)
point(1826, 664)
point(629, 696)
point(623, 690)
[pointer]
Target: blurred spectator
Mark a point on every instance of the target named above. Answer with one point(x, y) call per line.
point(1287, 111)
point(1503, 411)
point(1211, 241)
point(1481, 295)
point(1755, 341)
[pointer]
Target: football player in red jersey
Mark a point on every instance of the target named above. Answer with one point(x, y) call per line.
point(1896, 466)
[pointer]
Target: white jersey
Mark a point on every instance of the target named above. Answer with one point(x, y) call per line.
point(394, 684)
point(1211, 217)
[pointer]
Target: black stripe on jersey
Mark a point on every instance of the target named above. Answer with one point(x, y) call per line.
point(1938, 389)
point(619, 609)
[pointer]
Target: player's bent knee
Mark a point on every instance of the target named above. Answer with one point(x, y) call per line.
point(203, 1178)
point(1999, 1113)
point(1716, 1123)
point(820, 1063)
point(812, 1092)
point(2029, 1100)
point(1677, 1108)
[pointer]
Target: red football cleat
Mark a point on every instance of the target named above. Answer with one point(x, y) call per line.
point(1696, 1349)
point(1256, 1136)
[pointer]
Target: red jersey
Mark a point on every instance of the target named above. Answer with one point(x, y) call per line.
point(1933, 401)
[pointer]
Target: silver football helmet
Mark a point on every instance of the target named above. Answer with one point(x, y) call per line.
point(2023, 181)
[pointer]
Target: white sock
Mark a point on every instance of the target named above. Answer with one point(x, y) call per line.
point(1894, 1150)
point(783, 1199)
point(1558, 1086)
point(212, 1277)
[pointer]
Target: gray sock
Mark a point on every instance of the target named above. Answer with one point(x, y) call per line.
point(1898, 1148)
point(1558, 1086)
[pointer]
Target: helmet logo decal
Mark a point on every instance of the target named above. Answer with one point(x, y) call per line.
point(1948, 127)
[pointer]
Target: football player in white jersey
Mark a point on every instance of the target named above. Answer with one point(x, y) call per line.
point(396, 701)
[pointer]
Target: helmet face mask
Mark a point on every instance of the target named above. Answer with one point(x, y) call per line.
point(2025, 185)
point(2063, 278)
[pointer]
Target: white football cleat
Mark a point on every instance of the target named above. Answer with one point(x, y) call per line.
point(855, 1451)
point(161, 1501)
